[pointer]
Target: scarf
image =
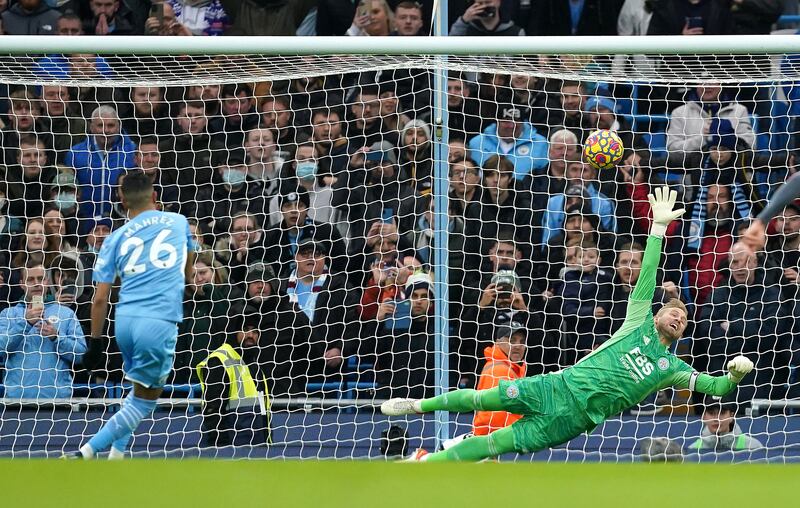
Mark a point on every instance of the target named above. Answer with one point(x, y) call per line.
point(311, 302)
point(698, 220)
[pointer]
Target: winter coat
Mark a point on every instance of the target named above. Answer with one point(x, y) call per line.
point(42, 21)
point(686, 123)
point(98, 171)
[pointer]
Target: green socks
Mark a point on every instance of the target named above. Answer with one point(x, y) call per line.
point(464, 401)
point(477, 448)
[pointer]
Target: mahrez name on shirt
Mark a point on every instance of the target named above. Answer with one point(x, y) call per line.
point(148, 221)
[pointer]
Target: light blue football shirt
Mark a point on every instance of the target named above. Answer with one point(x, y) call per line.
point(149, 255)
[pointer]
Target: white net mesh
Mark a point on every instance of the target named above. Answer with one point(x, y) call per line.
point(308, 182)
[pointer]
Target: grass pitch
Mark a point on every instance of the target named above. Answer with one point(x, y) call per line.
point(322, 484)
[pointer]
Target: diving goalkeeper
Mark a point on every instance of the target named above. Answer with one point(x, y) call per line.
point(557, 407)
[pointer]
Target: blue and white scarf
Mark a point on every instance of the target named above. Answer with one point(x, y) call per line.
point(698, 221)
point(311, 302)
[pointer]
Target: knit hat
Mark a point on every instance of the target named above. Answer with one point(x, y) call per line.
point(598, 101)
point(416, 124)
point(419, 280)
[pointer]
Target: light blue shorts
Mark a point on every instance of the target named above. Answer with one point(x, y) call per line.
point(148, 349)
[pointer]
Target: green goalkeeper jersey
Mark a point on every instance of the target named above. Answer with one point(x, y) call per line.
point(634, 363)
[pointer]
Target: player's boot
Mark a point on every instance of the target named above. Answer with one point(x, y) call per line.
point(419, 455)
point(71, 456)
point(399, 407)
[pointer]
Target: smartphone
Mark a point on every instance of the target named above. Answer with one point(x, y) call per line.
point(157, 11)
point(694, 22)
point(401, 320)
point(363, 8)
point(37, 302)
point(387, 216)
point(505, 288)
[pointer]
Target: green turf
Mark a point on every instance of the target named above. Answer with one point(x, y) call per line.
point(227, 484)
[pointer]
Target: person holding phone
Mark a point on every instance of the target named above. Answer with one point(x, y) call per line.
point(162, 21)
point(404, 343)
point(39, 341)
point(373, 18)
point(483, 17)
point(691, 17)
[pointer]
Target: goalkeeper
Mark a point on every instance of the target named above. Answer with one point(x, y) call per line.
point(557, 407)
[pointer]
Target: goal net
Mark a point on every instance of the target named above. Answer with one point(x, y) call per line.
point(396, 226)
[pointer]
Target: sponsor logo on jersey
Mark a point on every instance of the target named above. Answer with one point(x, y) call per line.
point(512, 392)
point(663, 363)
point(646, 340)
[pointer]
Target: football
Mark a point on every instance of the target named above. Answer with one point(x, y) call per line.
point(603, 149)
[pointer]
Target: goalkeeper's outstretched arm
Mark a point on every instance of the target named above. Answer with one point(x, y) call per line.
point(717, 386)
point(641, 299)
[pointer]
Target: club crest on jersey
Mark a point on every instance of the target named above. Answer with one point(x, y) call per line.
point(512, 392)
point(663, 363)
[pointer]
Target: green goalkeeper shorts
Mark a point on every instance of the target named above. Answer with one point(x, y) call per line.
point(551, 415)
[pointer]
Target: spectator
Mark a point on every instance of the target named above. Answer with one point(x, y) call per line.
point(708, 112)
point(277, 116)
point(366, 123)
point(463, 116)
point(373, 17)
point(391, 118)
point(81, 66)
point(582, 301)
point(24, 112)
point(627, 268)
point(57, 240)
point(465, 187)
point(568, 17)
point(711, 234)
point(232, 191)
point(784, 253)
point(531, 92)
point(691, 17)
point(634, 19)
point(573, 98)
point(502, 207)
point(148, 159)
point(267, 17)
point(416, 161)
point(312, 177)
point(579, 226)
point(96, 230)
point(405, 342)
point(238, 115)
point(245, 246)
point(743, 316)
point(69, 288)
point(505, 360)
point(514, 138)
point(328, 303)
point(32, 246)
point(285, 332)
point(167, 23)
point(146, 115)
point(562, 149)
point(327, 133)
point(408, 19)
point(582, 190)
point(234, 391)
point(309, 94)
point(69, 24)
point(720, 432)
point(99, 161)
point(282, 239)
point(263, 163)
point(386, 269)
point(60, 119)
point(110, 17)
point(40, 342)
point(483, 17)
point(188, 153)
point(29, 180)
point(207, 307)
point(371, 190)
point(423, 239)
point(456, 149)
point(602, 114)
point(204, 19)
point(30, 17)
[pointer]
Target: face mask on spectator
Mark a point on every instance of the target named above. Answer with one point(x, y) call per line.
point(306, 170)
point(66, 201)
point(234, 176)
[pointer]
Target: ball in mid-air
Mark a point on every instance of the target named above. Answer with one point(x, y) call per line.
point(603, 149)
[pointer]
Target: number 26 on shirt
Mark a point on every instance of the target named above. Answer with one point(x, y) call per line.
point(157, 249)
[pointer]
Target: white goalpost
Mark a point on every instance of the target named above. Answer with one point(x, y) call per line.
point(373, 213)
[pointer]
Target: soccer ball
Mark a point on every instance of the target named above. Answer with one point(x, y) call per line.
point(603, 149)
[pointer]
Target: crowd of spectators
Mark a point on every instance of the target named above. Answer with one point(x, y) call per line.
point(311, 200)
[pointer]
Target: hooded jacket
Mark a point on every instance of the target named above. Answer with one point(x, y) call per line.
point(498, 367)
point(686, 124)
point(42, 21)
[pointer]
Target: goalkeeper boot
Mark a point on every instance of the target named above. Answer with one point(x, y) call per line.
point(419, 455)
point(71, 456)
point(399, 407)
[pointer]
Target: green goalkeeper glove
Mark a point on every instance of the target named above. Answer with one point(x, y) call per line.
point(662, 205)
point(739, 367)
